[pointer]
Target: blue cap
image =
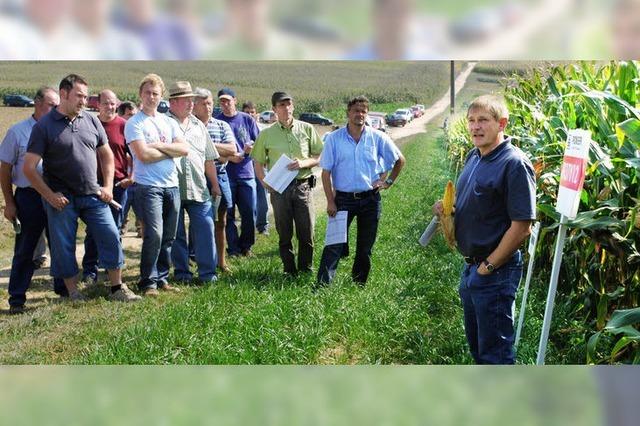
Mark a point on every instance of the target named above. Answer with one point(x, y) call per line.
point(226, 93)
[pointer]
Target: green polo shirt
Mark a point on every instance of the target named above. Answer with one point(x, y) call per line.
point(191, 176)
point(301, 141)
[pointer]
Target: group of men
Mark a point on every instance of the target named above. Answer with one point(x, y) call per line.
point(68, 164)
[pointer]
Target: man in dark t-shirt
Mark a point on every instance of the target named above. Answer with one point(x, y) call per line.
point(70, 141)
point(114, 128)
point(494, 207)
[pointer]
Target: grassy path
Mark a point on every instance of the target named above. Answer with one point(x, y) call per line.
point(408, 312)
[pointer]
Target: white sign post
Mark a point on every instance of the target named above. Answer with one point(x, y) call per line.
point(533, 240)
point(572, 175)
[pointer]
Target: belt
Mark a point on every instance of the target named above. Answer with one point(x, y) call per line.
point(301, 181)
point(474, 260)
point(357, 195)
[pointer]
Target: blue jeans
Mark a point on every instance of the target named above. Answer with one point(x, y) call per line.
point(33, 218)
point(158, 208)
point(262, 207)
point(367, 209)
point(90, 258)
point(488, 303)
point(243, 192)
point(202, 231)
point(225, 188)
point(63, 226)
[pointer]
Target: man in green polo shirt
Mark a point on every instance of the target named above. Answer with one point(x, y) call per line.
point(300, 142)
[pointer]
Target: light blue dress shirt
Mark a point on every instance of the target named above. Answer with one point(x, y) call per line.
point(355, 166)
point(13, 149)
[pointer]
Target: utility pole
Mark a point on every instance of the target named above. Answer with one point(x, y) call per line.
point(452, 101)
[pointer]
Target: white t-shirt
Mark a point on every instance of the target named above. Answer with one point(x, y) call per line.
point(151, 129)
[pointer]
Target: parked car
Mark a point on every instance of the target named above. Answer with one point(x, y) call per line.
point(377, 123)
point(417, 111)
point(313, 118)
point(267, 117)
point(18, 100)
point(396, 120)
point(406, 113)
point(163, 106)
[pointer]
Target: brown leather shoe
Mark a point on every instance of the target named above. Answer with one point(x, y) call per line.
point(169, 288)
point(150, 292)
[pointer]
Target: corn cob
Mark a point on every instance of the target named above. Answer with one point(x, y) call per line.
point(446, 220)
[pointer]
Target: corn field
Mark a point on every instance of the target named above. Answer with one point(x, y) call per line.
point(600, 270)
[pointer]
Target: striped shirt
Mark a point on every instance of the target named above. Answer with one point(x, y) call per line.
point(220, 132)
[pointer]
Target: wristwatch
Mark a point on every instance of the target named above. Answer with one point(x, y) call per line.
point(490, 267)
point(389, 181)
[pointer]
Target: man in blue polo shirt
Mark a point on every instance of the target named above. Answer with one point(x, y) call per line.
point(355, 161)
point(494, 208)
point(241, 175)
point(70, 142)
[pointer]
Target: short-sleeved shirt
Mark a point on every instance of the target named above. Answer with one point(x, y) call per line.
point(152, 129)
point(115, 134)
point(68, 150)
point(13, 149)
point(355, 166)
point(246, 132)
point(193, 182)
point(299, 141)
point(220, 132)
point(491, 192)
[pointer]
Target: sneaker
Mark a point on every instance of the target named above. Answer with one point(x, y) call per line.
point(76, 296)
point(169, 289)
point(124, 295)
point(89, 280)
point(263, 232)
point(16, 309)
point(247, 253)
point(150, 292)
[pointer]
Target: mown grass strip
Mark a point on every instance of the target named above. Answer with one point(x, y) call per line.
point(408, 312)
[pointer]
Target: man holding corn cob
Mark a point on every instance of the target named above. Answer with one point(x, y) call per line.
point(494, 208)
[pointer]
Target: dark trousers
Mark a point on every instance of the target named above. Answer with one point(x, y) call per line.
point(90, 258)
point(294, 207)
point(488, 303)
point(33, 218)
point(367, 209)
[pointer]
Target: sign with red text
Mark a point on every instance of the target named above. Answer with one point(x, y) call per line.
point(572, 173)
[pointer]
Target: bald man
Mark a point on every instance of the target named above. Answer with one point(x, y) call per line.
point(114, 127)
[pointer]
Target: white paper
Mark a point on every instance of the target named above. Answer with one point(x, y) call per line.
point(279, 177)
point(533, 239)
point(336, 229)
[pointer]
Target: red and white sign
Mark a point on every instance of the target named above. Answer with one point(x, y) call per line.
point(573, 171)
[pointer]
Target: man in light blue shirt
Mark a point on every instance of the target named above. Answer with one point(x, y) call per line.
point(25, 205)
point(155, 140)
point(355, 162)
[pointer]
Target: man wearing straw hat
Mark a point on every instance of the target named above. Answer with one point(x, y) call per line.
point(195, 199)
